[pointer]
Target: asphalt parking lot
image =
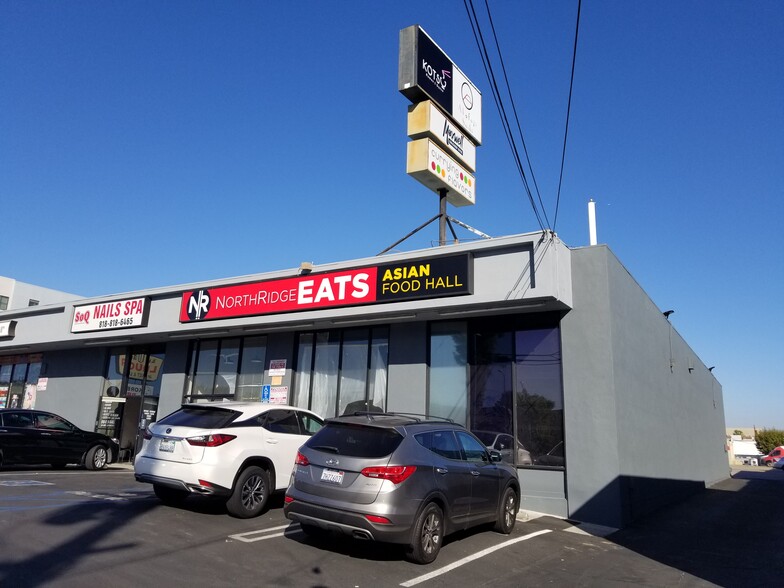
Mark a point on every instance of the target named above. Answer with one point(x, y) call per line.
point(78, 528)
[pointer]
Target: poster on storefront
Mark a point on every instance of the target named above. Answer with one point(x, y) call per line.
point(279, 395)
point(277, 367)
point(29, 396)
point(3, 396)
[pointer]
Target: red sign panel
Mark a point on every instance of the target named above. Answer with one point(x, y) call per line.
point(301, 293)
point(409, 280)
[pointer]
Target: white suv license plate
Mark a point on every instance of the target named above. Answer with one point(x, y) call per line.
point(332, 476)
point(166, 445)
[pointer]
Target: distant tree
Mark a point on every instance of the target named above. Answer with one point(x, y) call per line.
point(738, 432)
point(769, 439)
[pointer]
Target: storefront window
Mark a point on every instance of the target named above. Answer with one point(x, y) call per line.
point(228, 363)
point(540, 395)
point(5, 383)
point(448, 385)
point(515, 404)
point(226, 369)
point(324, 390)
point(16, 393)
point(491, 383)
point(342, 371)
point(353, 370)
point(251, 377)
point(304, 370)
point(206, 362)
point(379, 364)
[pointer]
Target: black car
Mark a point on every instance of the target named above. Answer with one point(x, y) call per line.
point(399, 478)
point(37, 437)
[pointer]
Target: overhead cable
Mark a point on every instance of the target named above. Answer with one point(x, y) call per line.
point(499, 103)
point(568, 112)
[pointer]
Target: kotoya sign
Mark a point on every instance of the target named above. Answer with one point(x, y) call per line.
point(425, 72)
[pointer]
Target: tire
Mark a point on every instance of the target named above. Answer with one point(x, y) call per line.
point(507, 512)
point(428, 535)
point(250, 494)
point(97, 458)
point(169, 496)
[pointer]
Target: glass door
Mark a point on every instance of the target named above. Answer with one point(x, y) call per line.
point(130, 399)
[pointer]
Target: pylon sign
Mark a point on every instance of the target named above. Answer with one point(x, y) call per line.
point(425, 71)
point(445, 120)
point(434, 168)
point(425, 119)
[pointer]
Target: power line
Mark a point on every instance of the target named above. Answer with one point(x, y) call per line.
point(514, 110)
point(499, 102)
point(568, 112)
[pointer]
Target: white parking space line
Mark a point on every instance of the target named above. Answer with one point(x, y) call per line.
point(470, 558)
point(247, 537)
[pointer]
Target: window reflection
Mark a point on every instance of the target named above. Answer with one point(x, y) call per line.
point(540, 395)
point(448, 382)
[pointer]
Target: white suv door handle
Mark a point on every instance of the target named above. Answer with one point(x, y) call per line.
point(272, 441)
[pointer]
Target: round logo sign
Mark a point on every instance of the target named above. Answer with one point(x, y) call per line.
point(468, 96)
point(198, 304)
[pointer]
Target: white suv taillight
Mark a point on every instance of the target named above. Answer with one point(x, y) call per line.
point(210, 440)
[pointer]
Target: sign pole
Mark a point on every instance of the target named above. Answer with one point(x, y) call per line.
point(442, 216)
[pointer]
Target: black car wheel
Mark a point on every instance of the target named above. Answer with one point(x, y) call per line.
point(250, 493)
point(169, 496)
point(97, 458)
point(507, 512)
point(428, 535)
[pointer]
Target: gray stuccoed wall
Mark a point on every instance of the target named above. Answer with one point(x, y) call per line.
point(75, 382)
point(639, 434)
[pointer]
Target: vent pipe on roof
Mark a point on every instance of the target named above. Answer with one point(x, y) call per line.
point(592, 222)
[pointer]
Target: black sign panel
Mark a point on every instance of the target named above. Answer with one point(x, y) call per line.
point(434, 71)
point(425, 278)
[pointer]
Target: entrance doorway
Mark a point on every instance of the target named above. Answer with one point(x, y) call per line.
point(130, 399)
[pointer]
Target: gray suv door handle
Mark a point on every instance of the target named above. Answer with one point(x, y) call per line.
point(442, 471)
point(474, 473)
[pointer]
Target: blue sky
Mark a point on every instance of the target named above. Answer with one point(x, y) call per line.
point(153, 143)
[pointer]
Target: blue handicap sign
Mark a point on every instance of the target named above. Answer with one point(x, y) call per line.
point(265, 393)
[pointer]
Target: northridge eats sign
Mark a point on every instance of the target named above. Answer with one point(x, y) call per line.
point(411, 280)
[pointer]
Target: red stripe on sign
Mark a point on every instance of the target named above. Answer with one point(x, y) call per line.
point(346, 288)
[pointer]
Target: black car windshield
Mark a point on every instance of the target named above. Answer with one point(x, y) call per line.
point(200, 418)
point(355, 440)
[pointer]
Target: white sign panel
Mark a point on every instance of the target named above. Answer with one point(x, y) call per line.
point(429, 164)
point(279, 394)
point(7, 328)
point(467, 104)
point(105, 316)
point(277, 367)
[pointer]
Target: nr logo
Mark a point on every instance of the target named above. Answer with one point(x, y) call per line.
point(198, 304)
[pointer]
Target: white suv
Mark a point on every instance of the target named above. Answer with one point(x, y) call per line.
point(238, 450)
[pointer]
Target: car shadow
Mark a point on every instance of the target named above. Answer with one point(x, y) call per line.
point(212, 505)
point(338, 543)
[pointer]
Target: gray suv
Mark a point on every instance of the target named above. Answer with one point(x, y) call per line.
point(400, 478)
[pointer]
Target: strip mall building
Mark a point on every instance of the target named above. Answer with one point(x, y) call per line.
point(555, 354)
